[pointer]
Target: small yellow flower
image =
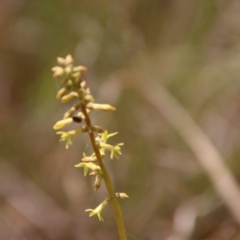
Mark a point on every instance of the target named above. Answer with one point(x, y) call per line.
point(115, 150)
point(105, 136)
point(88, 165)
point(67, 136)
point(97, 211)
point(91, 158)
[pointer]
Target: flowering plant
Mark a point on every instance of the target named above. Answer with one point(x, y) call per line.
point(74, 89)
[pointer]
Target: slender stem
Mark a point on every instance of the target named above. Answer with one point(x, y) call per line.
point(106, 178)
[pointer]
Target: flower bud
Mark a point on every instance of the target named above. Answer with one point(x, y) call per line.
point(69, 60)
point(61, 61)
point(97, 182)
point(83, 84)
point(68, 69)
point(89, 159)
point(57, 71)
point(62, 123)
point(122, 195)
point(61, 92)
point(71, 111)
point(69, 97)
point(88, 98)
point(103, 107)
point(80, 115)
point(79, 69)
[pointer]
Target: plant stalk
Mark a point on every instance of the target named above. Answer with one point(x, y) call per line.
point(106, 178)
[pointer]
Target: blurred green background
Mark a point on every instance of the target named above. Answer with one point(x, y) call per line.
point(190, 48)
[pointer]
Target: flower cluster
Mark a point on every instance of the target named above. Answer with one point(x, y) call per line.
point(87, 161)
point(74, 89)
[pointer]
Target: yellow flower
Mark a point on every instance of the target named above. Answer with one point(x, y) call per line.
point(88, 165)
point(67, 136)
point(115, 150)
point(97, 211)
point(105, 136)
point(91, 158)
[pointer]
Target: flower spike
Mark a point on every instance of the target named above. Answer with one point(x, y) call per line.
point(74, 90)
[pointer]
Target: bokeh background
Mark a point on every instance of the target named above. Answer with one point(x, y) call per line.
point(191, 49)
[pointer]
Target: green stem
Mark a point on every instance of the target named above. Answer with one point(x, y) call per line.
point(106, 178)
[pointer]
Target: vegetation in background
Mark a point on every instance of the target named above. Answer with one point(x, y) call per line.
point(188, 48)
